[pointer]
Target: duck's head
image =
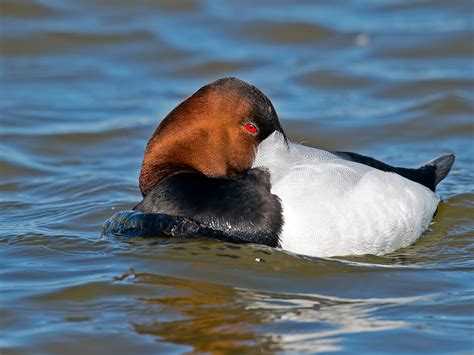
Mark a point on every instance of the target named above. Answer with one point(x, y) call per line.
point(214, 132)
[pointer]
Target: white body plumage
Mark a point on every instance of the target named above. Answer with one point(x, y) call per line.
point(333, 206)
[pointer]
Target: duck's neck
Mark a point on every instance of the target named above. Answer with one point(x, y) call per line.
point(152, 174)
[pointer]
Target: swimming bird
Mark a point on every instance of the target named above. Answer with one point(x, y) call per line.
point(219, 165)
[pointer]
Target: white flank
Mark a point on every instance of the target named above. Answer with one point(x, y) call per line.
point(332, 206)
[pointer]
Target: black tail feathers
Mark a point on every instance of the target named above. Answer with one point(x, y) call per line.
point(430, 174)
point(442, 165)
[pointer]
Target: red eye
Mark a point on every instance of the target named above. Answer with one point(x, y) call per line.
point(251, 129)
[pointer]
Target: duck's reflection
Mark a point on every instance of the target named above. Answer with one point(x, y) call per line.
point(212, 318)
point(215, 318)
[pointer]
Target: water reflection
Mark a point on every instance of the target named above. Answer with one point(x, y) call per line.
point(83, 84)
point(212, 318)
point(217, 318)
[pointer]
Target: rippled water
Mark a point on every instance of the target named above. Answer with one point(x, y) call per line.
point(83, 85)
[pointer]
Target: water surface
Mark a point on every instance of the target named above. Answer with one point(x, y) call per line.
point(83, 85)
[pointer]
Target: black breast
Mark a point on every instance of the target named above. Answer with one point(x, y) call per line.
point(239, 209)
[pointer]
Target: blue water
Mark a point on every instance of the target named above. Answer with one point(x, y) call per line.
point(83, 85)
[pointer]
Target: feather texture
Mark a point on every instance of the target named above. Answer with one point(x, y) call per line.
point(332, 206)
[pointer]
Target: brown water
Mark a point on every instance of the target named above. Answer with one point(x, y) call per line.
point(83, 85)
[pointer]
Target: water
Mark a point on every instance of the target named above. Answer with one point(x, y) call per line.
point(83, 85)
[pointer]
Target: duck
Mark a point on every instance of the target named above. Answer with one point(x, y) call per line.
point(220, 166)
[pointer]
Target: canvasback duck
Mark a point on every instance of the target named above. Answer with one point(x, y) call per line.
point(220, 166)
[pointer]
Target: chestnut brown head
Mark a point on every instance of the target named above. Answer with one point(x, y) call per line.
point(214, 132)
